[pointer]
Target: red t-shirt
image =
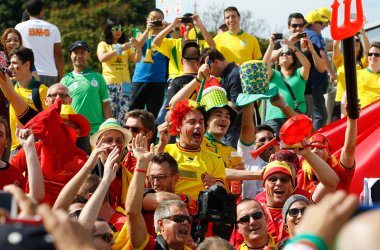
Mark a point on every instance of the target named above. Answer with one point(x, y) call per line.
point(11, 175)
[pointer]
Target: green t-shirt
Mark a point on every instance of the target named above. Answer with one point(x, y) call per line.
point(89, 91)
point(298, 85)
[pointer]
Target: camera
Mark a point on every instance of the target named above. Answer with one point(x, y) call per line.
point(8, 203)
point(278, 36)
point(301, 35)
point(156, 23)
point(186, 20)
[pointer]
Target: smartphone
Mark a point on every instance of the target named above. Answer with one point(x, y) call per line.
point(278, 36)
point(186, 20)
point(157, 23)
point(8, 203)
point(301, 35)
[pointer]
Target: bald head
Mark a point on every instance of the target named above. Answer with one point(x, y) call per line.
point(58, 91)
point(362, 232)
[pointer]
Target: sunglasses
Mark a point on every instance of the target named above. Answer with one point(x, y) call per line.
point(297, 25)
point(61, 95)
point(107, 237)
point(294, 212)
point(246, 218)
point(159, 177)
point(134, 129)
point(319, 22)
point(264, 139)
point(283, 179)
point(288, 53)
point(179, 218)
point(373, 54)
point(118, 28)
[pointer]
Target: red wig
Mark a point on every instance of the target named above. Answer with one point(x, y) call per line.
point(179, 111)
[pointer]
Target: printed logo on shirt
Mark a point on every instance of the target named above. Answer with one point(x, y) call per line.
point(243, 43)
point(187, 174)
point(75, 85)
point(38, 32)
point(94, 83)
point(30, 97)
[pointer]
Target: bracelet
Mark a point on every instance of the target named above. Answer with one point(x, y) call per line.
point(140, 170)
point(317, 241)
point(196, 78)
point(118, 49)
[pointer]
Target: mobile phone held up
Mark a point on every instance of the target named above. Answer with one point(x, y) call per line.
point(186, 20)
point(301, 35)
point(8, 203)
point(278, 36)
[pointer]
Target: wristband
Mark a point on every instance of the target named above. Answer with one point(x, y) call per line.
point(140, 170)
point(118, 49)
point(315, 240)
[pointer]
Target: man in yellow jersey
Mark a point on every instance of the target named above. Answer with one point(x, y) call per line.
point(236, 45)
point(198, 168)
point(30, 90)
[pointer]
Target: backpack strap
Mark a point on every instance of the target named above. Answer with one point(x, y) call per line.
point(36, 95)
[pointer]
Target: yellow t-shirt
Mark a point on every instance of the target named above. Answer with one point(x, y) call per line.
point(219, 148)
point(26, 94)
point(191, 165)
point(172, 49)
point(238, 48)
point(116, 69)
point(368, 86)
point(271, 244)
point(341, 80)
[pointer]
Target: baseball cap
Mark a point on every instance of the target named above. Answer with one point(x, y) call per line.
point(325, 12)
point(79, 44)
point(290, 201)
point(190, 44)
point(314, 16)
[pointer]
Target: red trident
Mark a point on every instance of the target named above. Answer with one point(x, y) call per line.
point(346, 33)
point(348, 28)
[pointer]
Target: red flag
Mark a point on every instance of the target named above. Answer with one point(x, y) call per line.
point(367, 154)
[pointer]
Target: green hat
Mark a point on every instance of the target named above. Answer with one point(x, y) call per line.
point(111, 124)
point(254, 82)
point(216, 97)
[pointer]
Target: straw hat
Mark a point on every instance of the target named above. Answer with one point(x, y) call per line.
point(111, 124)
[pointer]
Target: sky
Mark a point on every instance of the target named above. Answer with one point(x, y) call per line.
point(275, 12)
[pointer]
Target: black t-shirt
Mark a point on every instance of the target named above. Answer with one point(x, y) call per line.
point(177, 84)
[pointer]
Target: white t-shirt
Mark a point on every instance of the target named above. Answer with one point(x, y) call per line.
point(251, 188)
point(40, 36)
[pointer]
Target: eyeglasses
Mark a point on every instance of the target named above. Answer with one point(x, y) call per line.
point(283, 179)
point(264, 139)
point(374, 54)
point(246, 218)
point(319, 22)
point(294, 212)
point(180, 218)
point(118, 28)
point(297, 25)
point(134, 129)
point(159, 177)
point(107, 237)
point(61, 95)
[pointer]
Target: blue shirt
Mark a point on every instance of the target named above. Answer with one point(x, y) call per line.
point(151, 72)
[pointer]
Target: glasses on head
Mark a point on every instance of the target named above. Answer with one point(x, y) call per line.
point(283, 179)
point(264, 139)
point(179, 218)
point(246, 218)
point(134, 129)
point(118, 28)
point(107, 237)
point(61, 95)
point(297, 25)
point(159, 177)
point(294, 212)
point(373, 54)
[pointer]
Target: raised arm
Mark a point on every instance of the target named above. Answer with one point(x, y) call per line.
point(58, 58)
point(347, 156)
point(319, 62)
point(136, 55)
point(151, 200)
point(91, 210)
point(133, 204)
point(165, 32)
point(36, 180)
point(336, 49)
point(268, 55)
point(247, 133)
point(366, 43)
point(70, 190)
point(18, 104)
point(305, 69)
point(208, 38)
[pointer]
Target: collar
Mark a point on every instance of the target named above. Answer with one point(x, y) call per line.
point(238, 34)
point(227, 70)
point(85, 71)
point(186, 149)
point(270, 243)
point(369, 70)
point(30, 84)
point(212, 139)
